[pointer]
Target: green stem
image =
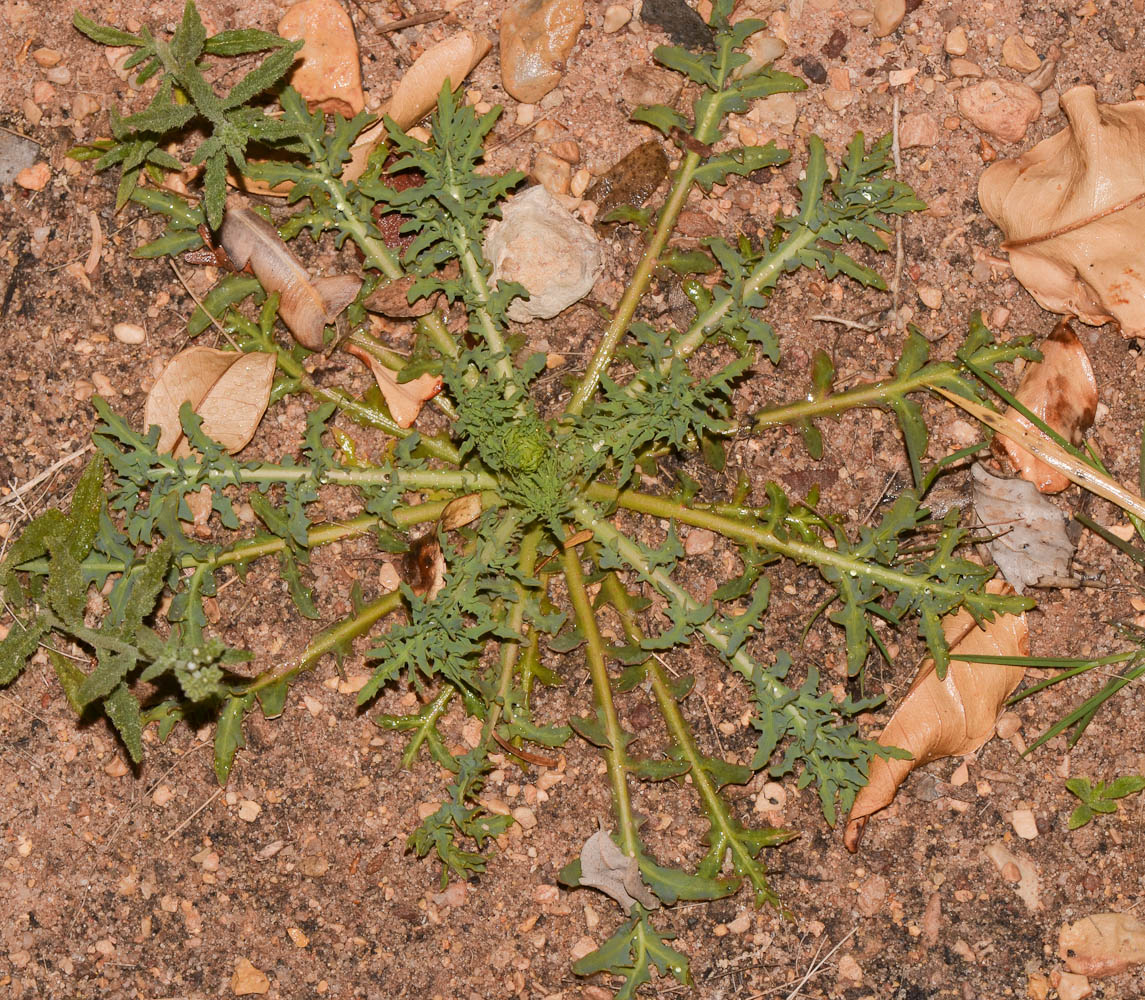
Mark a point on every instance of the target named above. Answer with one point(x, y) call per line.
point(377, 255)
point(427, 722)
point(622, 318)
point(602, 690)
point(741, 530)
point(328, 641)
point(724, 829)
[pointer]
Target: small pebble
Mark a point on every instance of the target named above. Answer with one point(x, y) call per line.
point(43, 92)
point(616, 17)
point(965, 68)
point(46, 58)
point(1024, 823)
point(552, 173)
point(850, 969)
point(129, 333)
point(918, 129)
point(35, 177)
point(931, 297)
point(887, 16)
point(1000, 108)
point(1018, 55)
point(699, 542)
point(525, 817)
point(162, 795)
point(116, 768)
point(584, 946)
point(59, 75)
point(1008, 724)
point(298, 937)
point(1072, 986)
point(247, 980)
point(248, 810)
point(956, 44)
point(537, 38)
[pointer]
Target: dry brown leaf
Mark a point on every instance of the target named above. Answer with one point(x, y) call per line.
point(606, 867)
point(1029, 542)
point(423, 566)
point(327, 71)
point(405, 399)
point(1060, 389)
point(416, 93)
point(949, 717)
point(1073, 210)
point(306, 304)
point(230, 391)
point(1102, 944)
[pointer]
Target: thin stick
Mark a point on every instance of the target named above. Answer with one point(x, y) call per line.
point(896, 287)
point(214, 322)
point(193, 815)
point(850, 324)
point(818, 964)
point(408, 22)
point(16, 494)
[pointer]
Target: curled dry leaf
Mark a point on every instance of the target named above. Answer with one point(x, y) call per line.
point(423, 566)
point(949, 717)
point(404, 399)
point(306, 304)
point(416, 93)
point(1061, 390)
point(1102, 944)
point(606, 867)
point(1029, 544)
point(1073, 210)
point(327, 71)
point(230, 391)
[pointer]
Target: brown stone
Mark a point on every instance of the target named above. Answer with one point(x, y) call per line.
point(1000, 108)
point(537, 37)
point(328, 72)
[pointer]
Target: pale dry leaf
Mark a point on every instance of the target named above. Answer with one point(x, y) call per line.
point(1029, 544)
point(1061, 390)
point(1102, 944)
point(1073, 210)
point(327, 71)
point(306, 305)
point(230, 391)
point(1028, 884)
point(606, 867)
point(462, 511)
point(452, 59)
point(404, 399)
point(949, 717)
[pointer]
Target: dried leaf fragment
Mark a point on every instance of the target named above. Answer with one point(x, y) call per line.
point(306, 304)
point(452, 59)
point(1072, 210)
point(949, 717)
point(1030, 544)
point(1102, 944)
point(327, 72)
point(405, 399)
point(230, 391)
point(392, 299)
point(606, 867)
point(1061, 390)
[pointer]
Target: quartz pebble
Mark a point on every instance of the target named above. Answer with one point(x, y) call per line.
point(1000, 108)
point(699, 541)
point(538, 243)
point(537, 37)
point(552, 173)
point(931, 297)
point(1024, 823)
point(965, 68)
point(46, 58)
point(35, 177)
point(1008, 724)
point(129, 333)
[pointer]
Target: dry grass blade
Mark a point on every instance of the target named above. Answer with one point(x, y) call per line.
point(1053, 454)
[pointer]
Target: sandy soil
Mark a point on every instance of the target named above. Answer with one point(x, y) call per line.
point(153, 883)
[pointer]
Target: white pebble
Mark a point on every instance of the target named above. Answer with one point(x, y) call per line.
point(129, 333)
